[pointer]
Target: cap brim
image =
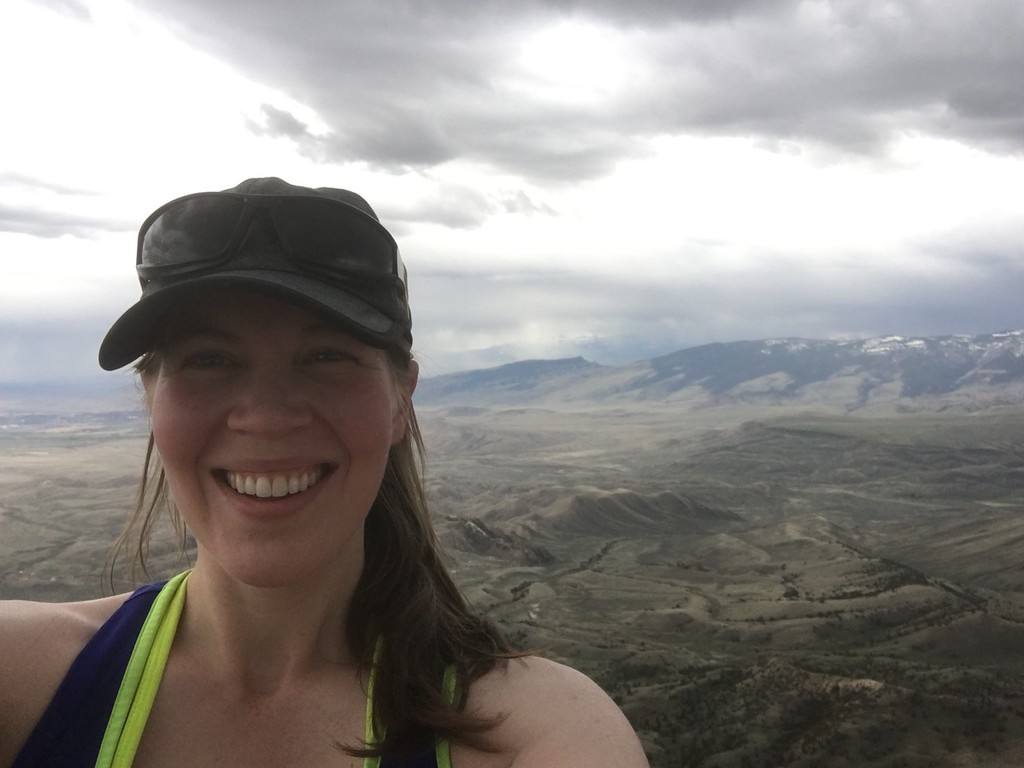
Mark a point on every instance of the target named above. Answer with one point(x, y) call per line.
point(135, 332)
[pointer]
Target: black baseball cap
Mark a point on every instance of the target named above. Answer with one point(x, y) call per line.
point(321, 248)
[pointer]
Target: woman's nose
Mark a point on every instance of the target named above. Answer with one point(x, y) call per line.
point(270, 402)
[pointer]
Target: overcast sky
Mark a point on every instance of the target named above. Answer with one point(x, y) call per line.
point(614, 179)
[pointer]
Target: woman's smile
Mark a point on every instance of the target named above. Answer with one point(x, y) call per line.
point(267, 485)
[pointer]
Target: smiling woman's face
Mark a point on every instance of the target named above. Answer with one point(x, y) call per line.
point(274, 429)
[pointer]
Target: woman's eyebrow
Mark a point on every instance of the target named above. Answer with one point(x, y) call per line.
point(200, 331)
point(324, 328)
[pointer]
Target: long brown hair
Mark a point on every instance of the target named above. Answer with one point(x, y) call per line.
point(405, 606)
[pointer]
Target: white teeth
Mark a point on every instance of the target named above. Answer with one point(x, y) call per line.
point(276, 486)
point(280, 486)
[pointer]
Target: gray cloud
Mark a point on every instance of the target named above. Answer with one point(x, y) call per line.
point(280, 122)
point(459, 206)
point(614, 319)
point(30, 220)
point(55, 220)
point(662, 11)
point(415, 84)
point(22, 183)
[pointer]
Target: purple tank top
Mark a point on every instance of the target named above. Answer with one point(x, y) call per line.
point(70, 731)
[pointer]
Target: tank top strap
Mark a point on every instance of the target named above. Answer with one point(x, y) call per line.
point(69, 733)
point(145, 668)
point(142, 677)
point(440, 756)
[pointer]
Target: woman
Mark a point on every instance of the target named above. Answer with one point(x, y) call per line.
point(317, 626)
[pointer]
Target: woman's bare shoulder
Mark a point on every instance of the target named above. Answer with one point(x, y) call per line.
point(38, 642)
point(555, 715)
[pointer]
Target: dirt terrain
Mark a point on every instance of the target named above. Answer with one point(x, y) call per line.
point(756, 586)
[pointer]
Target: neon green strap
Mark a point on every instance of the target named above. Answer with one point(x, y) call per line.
point(370, 730)
point(442, 751)
point(451, 679)
point(142, 677)
point(146, 668)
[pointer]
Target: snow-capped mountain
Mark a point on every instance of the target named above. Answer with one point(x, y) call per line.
point(971, 371)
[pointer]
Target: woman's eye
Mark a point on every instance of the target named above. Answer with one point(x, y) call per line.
point(331, 356)
point(205, 360)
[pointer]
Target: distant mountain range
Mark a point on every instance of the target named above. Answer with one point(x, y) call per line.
point(966, 372)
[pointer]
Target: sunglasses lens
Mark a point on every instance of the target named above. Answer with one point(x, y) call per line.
point(193, 230)
point(325, 234)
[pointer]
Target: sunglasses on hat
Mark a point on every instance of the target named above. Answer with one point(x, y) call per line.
point(202, 232)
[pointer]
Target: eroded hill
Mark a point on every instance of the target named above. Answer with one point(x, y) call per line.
point(801, 589)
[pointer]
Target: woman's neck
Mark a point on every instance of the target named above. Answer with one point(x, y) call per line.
point(262, 639)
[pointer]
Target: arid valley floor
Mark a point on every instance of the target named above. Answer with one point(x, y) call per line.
point(755, 585)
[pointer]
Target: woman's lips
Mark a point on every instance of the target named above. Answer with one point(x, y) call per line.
point(266, 485)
